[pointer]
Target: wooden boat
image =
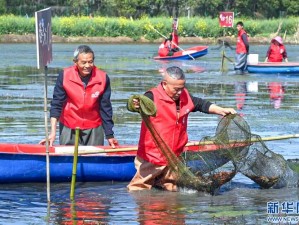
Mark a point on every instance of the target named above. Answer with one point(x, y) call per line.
point(274, 67)
point(27, 162)
point(20, 163)
point(187, 54)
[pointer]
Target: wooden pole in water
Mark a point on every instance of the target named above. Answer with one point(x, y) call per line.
point(46, 133)
point(74, 173)
point(223, 67)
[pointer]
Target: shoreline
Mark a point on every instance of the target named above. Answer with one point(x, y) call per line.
point(30, 38)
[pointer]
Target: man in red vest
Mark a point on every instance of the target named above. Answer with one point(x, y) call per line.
point(173, 103)
point(81, 99)
point(242, 49)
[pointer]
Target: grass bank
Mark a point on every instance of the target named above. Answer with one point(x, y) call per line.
point(124, 30)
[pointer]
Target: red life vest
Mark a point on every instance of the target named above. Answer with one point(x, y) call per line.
point(276, 90)
point(166, 46)
point(82, 104)
point(276, 53)
point(241, 48)
point(170, 125)
point(164, 49)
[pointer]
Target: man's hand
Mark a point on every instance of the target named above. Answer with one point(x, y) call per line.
point(113, 142)
point(51, 139)
point(136, 103)
point(221, 111)
point(226, 111)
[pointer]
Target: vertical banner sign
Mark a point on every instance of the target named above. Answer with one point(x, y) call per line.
point(43, 37)
point(226, 19)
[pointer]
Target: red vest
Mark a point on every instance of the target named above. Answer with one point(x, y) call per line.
point(82, 104)
point(171, 126)
point(241, 48)
point(164, 49)
point(276, 90)
point(276, 53)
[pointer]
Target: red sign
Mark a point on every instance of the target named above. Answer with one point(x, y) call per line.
point(226, 19)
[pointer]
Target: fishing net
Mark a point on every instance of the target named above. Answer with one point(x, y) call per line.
point(267, 168)
point(218, 158)
point(174, 162)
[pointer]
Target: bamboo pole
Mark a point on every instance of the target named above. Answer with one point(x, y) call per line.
point(74, 173)
point(273, 138)
point(74, 213)
point(135, 148)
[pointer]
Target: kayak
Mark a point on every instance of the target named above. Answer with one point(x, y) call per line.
point(20, 163)
point(274, 67)
point(187, 54)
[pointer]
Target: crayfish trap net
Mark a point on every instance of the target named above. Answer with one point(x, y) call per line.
point(214, 161)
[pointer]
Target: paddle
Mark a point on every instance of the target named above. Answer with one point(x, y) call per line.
point(74, 173)
point(172, 42)
point(85, 150)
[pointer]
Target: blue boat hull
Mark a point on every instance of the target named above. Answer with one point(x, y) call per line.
point(21, 163)
point(187, 54)
point(19, 168)
point(270, 68)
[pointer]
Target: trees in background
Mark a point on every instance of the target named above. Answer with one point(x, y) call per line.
point(255, 9)
point(2, 6)
point(152, 8)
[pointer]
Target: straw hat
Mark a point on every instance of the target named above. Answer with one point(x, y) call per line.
point(278, 39)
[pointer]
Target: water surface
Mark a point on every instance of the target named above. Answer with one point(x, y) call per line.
point(269, 103)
